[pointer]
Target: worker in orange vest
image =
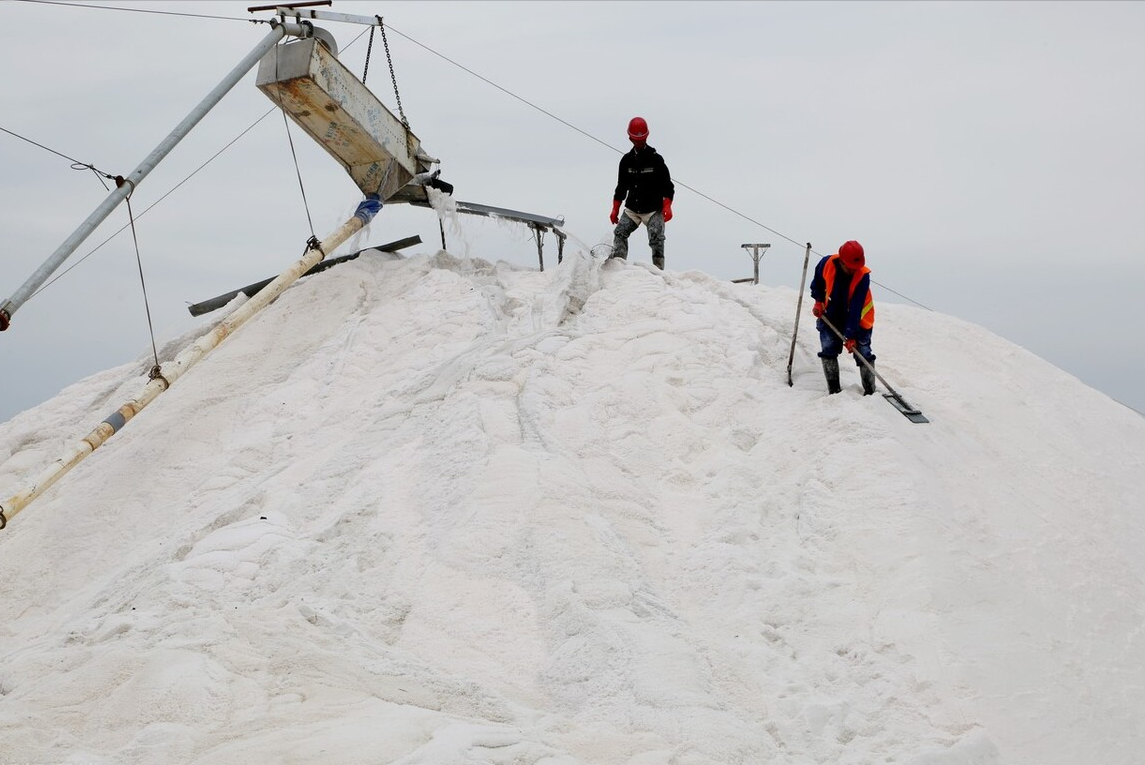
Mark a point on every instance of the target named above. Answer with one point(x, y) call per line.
point(841, 289)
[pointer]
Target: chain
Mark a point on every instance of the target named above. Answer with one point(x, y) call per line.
point(393, 77)
point(369, 48)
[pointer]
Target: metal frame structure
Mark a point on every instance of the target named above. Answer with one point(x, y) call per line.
point(757, 252)
point(538, 223)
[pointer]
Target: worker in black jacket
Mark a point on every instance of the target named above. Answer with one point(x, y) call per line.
point(644, 186)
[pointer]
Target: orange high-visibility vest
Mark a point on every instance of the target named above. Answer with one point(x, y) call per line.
point(867, 317)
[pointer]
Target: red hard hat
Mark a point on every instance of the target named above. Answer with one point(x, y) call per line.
point(851, 253)
point(637, 129)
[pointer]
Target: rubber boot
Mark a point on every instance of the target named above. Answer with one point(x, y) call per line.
point(658, 261)
point(619, 248)
point(831, 371)
point(867, 375)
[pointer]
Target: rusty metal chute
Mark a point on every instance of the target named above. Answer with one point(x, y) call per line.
point(336, 109)
point(381, 154)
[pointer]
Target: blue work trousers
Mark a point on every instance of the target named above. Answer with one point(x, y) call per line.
point(833, 346)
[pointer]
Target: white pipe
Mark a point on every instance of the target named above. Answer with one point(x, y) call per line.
point(184, 361)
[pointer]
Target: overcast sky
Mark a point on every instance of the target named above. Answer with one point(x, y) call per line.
point(432, 510)
point(987, 155)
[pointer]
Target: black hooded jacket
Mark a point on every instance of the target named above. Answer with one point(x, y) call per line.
point(644, 180)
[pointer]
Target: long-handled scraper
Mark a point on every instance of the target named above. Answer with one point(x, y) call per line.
point(897, 401)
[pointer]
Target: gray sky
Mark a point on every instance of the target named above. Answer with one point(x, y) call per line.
point(987, 155)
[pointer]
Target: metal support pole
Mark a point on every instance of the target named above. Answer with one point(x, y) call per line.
point(538, 234)
point(125, 186)
point(798, 309)
point(757, 252)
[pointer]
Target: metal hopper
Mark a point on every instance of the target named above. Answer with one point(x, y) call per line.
point(338, 111)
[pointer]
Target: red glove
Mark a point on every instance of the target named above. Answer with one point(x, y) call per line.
point(849, 344)
point(818, 309)
point(615, 217)
point(667, 210)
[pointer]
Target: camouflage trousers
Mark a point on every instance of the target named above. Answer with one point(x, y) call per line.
point(629, 222)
